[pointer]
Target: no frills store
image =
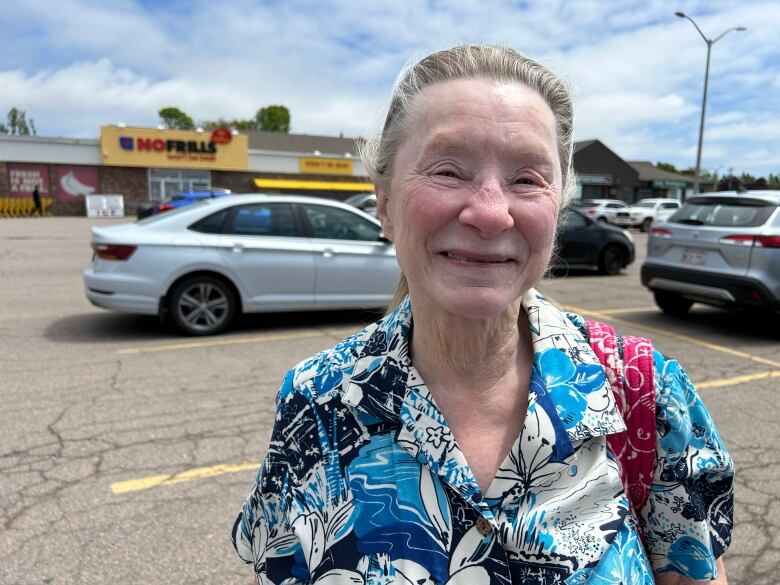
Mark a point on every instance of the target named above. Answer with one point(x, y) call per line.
point(144, 164)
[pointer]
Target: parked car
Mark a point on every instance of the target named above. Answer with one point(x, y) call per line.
point(603, 210)
point(178, 200)
point(642, 213)
point(203, 264)
point(720, 249)
point(587, 244)
point(365, 202)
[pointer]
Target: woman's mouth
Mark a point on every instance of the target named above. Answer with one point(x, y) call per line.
point(475, 258)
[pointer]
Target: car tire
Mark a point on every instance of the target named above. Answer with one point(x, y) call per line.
point(672, 303)
point(611, 261)
point(602, 219)
point(202, 305)
point(645, 225)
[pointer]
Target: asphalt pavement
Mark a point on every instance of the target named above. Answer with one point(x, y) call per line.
point(126, 451)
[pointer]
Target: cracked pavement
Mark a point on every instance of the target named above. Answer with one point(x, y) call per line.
point(77, 416)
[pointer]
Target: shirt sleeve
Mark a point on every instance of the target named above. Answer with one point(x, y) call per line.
point(262, 535)
point(687, 520)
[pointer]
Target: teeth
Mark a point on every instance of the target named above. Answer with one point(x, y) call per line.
point(456, 257)
point(466, 259)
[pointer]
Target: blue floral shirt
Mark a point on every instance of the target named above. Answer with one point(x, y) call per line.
point(363, 481)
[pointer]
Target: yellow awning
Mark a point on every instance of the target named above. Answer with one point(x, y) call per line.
point(312, 185)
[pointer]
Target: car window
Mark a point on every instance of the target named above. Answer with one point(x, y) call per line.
point(645, 204)
point(615, 205)
point(264, 219)
point(725, 213)
point(670, 205)
point(211, 224)
point(339, 224)
point(585, 203)
point(574, 220)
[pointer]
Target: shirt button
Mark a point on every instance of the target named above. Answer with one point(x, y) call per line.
point(483, 526)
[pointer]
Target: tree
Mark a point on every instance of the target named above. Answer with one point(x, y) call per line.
point(273, 119)
point(173, 118)
point(18, 123)
point(664, 166)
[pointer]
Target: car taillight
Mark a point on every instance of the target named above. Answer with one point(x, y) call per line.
point(768, 241)
point(591, 211)
point(165, 207)
point(746, 240)
point(113, 251)
point(659, 232)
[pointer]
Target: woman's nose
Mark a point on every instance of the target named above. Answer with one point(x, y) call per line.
point(487, 209)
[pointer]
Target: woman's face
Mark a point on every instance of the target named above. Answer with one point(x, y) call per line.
point(473, 200)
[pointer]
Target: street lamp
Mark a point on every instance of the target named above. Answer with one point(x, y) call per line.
point(709, 42)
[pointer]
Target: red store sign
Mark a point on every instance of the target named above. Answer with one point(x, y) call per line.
point(24, 177)
point(76, 181)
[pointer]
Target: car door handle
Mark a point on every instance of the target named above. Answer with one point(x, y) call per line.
point(328, 253)
point(238, 248)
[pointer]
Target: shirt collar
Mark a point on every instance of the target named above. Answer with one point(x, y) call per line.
point(384, 380)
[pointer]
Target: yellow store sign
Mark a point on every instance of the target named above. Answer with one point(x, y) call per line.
point(317, 165)
point(146, 147)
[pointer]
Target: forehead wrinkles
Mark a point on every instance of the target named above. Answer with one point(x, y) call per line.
point(439, 109)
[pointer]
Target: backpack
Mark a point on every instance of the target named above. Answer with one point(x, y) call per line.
point(628, 362)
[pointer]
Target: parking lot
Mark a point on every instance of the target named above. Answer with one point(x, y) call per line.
point(126, 451)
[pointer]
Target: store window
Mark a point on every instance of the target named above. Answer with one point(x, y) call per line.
point(165, 182)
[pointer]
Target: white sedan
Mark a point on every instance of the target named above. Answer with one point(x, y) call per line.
point(202, 264)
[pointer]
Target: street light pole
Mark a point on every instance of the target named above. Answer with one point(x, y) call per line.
point(710, 42)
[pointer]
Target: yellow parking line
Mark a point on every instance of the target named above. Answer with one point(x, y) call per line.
point(218, 342)
point(152, 481)
point(737, 380)
point(685, 338)
point(630, 310)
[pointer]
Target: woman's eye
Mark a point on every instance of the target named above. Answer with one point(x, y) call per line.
point(525, 181)
point(448, 174)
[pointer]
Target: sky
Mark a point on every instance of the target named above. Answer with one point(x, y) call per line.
point(635, 69)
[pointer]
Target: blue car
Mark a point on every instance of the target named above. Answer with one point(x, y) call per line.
point(179, 200)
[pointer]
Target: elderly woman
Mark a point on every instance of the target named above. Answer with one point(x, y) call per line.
point(455, 440)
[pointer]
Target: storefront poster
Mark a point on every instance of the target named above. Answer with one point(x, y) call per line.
point(23, 178)
point(76, 181)
point(325, 166)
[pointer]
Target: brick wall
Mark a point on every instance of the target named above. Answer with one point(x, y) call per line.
point(4, 180)
point(132, 182)
point(238, 182)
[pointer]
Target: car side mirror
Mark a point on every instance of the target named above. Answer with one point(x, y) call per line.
point(383, 238)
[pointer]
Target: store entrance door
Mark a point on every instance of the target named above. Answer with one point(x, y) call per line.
point(165, 182)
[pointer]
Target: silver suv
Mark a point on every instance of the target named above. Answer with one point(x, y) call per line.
point(642, 213)
point(720, 249)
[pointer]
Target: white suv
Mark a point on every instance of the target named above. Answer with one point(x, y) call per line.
point(603, 210)
point(642, 213)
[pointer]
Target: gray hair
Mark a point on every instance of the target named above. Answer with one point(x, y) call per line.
point(493, 62)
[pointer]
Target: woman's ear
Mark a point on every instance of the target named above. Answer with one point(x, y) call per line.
point(382, 212)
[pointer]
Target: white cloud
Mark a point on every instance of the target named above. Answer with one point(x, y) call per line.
point(636, 69)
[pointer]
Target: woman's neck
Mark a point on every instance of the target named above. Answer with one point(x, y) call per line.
point(466, 355)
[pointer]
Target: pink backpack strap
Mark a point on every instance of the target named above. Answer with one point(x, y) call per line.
point(628, 362)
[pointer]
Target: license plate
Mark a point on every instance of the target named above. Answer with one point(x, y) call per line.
point(693, 256)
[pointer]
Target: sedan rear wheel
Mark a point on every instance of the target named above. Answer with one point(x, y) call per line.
point(645, 225)
point(672, 303)
point(611, 260)
point(202, 305)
